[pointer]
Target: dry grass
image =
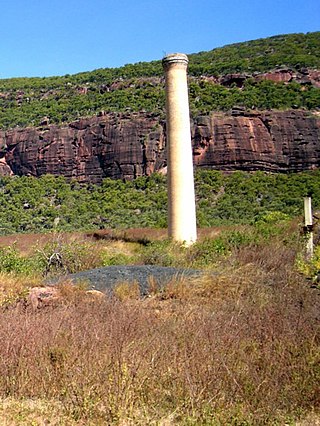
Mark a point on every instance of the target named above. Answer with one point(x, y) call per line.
point(33, 412)
point(118, 250)
point(145, 235)
point(237, 348)
point(14, 288)
point(26, 243)
point(127, 291)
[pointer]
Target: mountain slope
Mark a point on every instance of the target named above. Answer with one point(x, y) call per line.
point(294, 83)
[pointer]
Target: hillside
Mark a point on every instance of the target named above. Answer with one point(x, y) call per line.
point(274, 73)
point(51, 203)
point(238, 344)
point(254, 106)
point(222, 332)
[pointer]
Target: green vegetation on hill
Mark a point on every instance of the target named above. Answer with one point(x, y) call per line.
point(292, 50)
point(68, 105)
point(207, 97)
point(42, 204)
point(136, 87)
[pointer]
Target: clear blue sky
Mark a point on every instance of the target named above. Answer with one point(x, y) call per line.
point(57, 37)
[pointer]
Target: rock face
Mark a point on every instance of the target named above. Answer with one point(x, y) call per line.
point(116, 146)
point(279, 75)
point(270, 141)
point(129, 145)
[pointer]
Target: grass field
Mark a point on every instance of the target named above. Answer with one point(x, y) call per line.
point(237, 348)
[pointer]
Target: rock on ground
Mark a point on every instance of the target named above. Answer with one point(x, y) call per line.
point(105, 279)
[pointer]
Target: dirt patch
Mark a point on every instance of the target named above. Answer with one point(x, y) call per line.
point(26, 243)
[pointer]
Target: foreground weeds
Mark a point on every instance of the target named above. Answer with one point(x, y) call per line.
point(236, 346)
point(14, 287)
point(241, 347)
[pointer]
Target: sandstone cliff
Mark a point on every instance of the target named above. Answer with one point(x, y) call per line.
point(130, 145)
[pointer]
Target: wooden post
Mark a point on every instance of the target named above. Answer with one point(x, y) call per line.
point(308, 226)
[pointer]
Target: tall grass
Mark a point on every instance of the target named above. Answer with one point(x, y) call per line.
point(241, 347)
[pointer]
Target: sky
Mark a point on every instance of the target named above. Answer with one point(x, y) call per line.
point(40, 38)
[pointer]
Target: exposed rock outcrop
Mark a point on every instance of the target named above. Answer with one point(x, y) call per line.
point(114, 145)
point(129, 145)
point(270, 141)
point(278, 75)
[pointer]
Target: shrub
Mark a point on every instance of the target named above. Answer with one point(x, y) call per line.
point(117, 259)
point(15, 287)
point(163, 253)
point(310, 267)
point(11, 261)
point(207, 253)
point(238, 198)
point(272, 217)
point(58, 257)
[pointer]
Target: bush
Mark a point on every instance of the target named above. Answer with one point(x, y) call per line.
point(310, 267)
point(11, 261)
point(60, 257)
point(162, 253)
point(207, 253)
point(117, 259)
